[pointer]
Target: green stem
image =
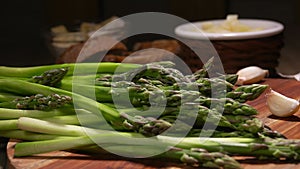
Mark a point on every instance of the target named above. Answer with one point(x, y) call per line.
point(85, 68)
point(82, 117)
point(8, 125)
point(83, 79)
point(37, 147)
point(11, 85)
point(251, 146)
point(240, 146)
point(30, 148)
point(47, 127)
point(28, 136)
point(16, 113)
point(102, 94)
point(6, 97)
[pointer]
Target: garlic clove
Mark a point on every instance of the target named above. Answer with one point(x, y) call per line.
point(280, 105)
point(250, 75)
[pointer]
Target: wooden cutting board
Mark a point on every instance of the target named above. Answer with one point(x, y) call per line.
point(290, 127)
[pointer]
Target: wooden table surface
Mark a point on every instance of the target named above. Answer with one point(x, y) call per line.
point(290, 127)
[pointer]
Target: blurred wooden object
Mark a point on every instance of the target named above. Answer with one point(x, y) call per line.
point(93, 49)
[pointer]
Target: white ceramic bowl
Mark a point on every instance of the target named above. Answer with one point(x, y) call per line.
point(194, 31)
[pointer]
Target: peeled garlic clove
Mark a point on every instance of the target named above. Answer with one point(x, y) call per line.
point(280, 105)
point(250, 75)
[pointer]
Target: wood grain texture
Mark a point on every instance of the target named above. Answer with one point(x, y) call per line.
point(290, 127)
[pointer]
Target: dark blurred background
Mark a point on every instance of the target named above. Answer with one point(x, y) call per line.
point(25, 25)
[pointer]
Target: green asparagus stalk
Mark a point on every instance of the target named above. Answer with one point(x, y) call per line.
point(247, 92)
point(138, 123)
point(137, 94)
point(286, 149)
point(8, 125)
point(246, 123)
point(102, 94)
point(28, 136)
point(84, 68)
point(194, 157)
point(204, 115)
point(83, 79)
point(16, 113)
point(12, 124)
point(231, 78)
point(146, 126)
point(252, 125)
point(253, 147)
point(48, 127)
point(60, 117)
point(201, 157)
point(268, 133)
point(241, 146)
point(232, 125)
point(155, 71)
point(230, 107)
point(220, 133)
point(11, 85)
point(51, 77)
point(27, 148)
point(38, 102)
point(205, 86)
point(6, 97)
point(203, 73)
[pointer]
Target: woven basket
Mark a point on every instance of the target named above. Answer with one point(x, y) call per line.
point(236, 54)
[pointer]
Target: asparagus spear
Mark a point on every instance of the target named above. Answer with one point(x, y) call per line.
point(146, 126)
point(205, 85)
point(51, 77)
point(136, 95)
point(6, 97)
point(246, 123)
point(8, 125)
point(229, 105)
point(282, 149)
point(201, 157)
point(230, 125)
point(195, 157)
point(220, 133)
point(102, 94)
point(247, 92)
point(38, 102)
point(6, 113)
point(231, 78)
point(12, 124)
point(28, 136)
point(83, 68)
point(203, 73)
point(12, 85)
point(204, 115)
point(155, 71)
point(274, 148)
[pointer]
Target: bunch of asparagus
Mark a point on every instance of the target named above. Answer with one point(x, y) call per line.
point(136, 110)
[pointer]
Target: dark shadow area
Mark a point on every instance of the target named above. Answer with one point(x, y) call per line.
point(292, 118)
